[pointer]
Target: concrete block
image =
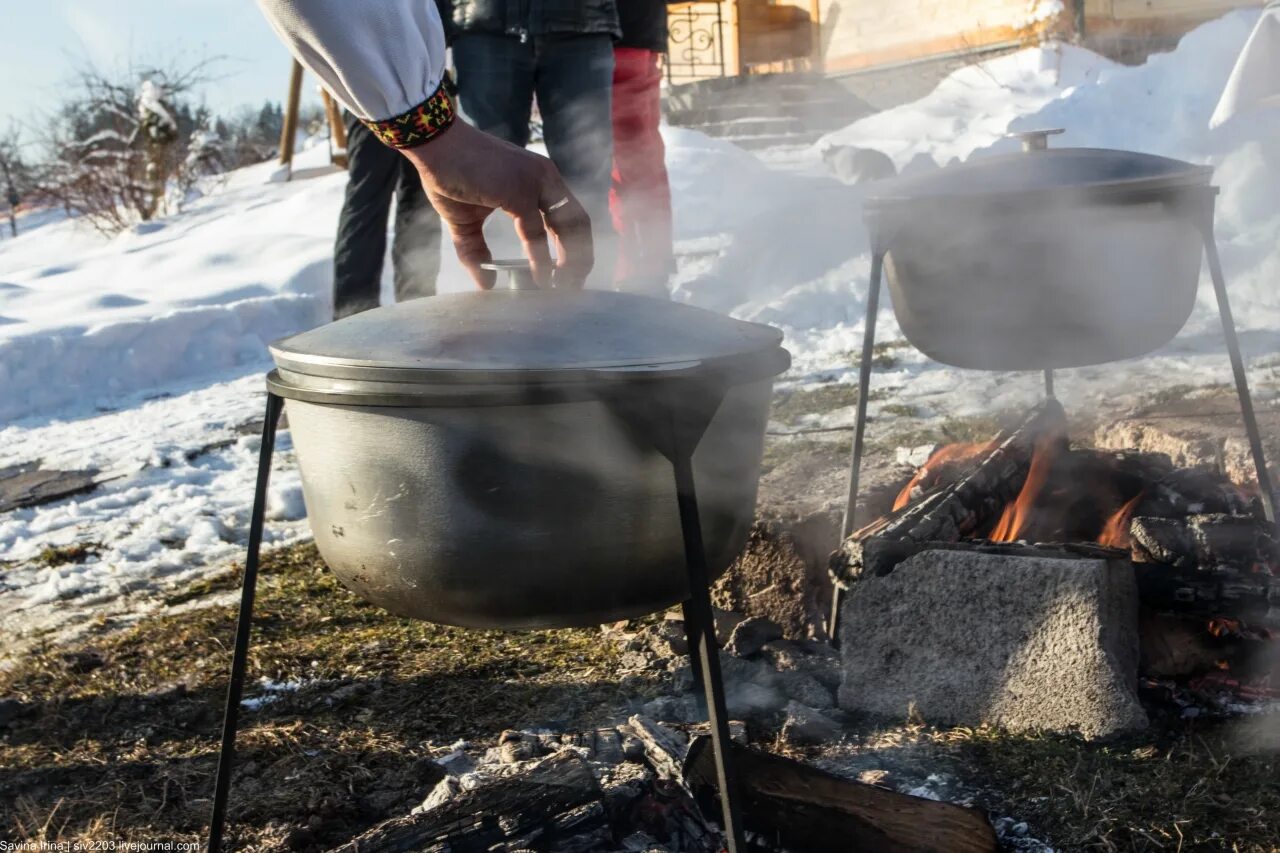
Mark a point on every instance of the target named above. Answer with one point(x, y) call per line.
point(1025, 643)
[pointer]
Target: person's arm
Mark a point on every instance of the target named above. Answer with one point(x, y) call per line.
point(384, 61)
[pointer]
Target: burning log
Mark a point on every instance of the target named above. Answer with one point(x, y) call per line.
point(959, 509)
point(557, 800)
point(804, 808)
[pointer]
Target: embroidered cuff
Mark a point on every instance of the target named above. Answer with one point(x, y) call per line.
point(418, 125)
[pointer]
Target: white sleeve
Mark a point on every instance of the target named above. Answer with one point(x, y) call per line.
point(379, 58)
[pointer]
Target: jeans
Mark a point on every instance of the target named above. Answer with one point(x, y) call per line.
point(572, 78)
point(375, 174)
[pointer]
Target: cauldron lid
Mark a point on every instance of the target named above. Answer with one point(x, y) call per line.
point(542, 337)
point(1087, 171)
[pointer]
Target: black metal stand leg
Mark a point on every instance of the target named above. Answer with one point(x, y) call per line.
point(1048, 383)
point(1242, 378)
point(859, 431)
point(693, 634)
point(701, 630)
point(239, 657)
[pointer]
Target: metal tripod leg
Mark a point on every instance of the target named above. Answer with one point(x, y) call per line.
point(701, 631)
point(692, 632)
point(239, 657)
point(859, 432)
point(1242, 378)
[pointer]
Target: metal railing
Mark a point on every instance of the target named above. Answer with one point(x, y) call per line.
point(696, 48)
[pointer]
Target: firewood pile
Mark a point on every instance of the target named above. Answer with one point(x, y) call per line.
point(642, 787)
point(1204, 556)
point(613, 789)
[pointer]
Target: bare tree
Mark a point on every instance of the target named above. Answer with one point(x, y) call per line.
point(128, 149)
point(15, 174)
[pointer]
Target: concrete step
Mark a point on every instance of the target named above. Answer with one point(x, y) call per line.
point(764, 108)
point(829, 111)
point(774, 140)
point(756, 126)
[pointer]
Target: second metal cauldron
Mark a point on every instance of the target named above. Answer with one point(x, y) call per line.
point(1054, 258)
point(490, 459)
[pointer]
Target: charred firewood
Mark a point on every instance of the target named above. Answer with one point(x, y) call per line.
point(1251, 597)
point(805, 808)
point(1208, 566)
point(1192, 491)
point(664, 748)
point(956, 510)
point(1134, 471)
point(557, 801)
point(1206, 542)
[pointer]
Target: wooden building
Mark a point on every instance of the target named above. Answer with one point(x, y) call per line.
point(714, 38)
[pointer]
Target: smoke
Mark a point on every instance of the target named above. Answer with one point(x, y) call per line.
point(1258, 732)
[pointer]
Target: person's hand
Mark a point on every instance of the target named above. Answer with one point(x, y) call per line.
point(468, 174)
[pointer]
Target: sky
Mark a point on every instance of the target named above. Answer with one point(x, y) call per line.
point(43, 42)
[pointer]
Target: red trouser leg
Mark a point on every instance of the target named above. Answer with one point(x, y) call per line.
point(640, 198)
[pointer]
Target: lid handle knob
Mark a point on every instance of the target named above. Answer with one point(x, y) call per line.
point(519, 273)
point(1035, 140)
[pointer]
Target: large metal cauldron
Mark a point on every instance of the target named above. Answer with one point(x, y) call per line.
point(1053, 258)
point(491, 459)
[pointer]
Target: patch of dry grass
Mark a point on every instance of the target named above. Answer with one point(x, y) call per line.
point(115, 737)
point(1189, 787)
point(61, 555)
point(118, 734)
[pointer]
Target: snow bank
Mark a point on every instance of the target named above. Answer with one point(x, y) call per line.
point(1160, 107)
point(194, 294)
point(974, 106)
point(85, 320)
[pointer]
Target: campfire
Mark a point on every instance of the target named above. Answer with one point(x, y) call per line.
point(1204, 556)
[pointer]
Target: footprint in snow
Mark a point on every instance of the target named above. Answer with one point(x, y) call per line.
point(58, 269)
point(114, 300)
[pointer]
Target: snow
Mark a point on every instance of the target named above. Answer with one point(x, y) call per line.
point(271, 691)
point(1161, 107)
point(1045, 10)
point(151, 97)
point(142, 356)
point(977, 105)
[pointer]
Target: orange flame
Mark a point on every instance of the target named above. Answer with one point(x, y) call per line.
point(1221, 626)
point(1016, 515)
point(949, 453)
point(1115, 534)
